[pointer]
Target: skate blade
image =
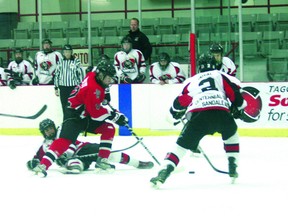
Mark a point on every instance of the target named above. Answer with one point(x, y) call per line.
point(156, 185)
point(41, 174)
point(73, 171)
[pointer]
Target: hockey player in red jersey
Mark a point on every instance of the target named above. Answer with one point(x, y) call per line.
point(130, 63)
point(85, 113)
point(223, 63)
point(79, 156)
point(166, 72)
point(204, 99)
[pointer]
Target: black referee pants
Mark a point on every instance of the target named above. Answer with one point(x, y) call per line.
point(65, 92)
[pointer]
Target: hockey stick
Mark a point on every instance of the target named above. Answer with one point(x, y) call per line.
point(206, 157)
point(138, 138)
point(40, 112)
point(210, 163)
point(118, 150)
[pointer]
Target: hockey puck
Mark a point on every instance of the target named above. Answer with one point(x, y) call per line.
point(191, 172)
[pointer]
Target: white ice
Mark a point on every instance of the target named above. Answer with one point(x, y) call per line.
point(261, 188)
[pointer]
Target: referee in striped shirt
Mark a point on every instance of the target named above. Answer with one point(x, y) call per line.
point(68, 75)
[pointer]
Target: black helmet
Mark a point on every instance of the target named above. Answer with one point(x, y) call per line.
point(18, 50)
point(43, 125)
point(103, 59)
point(206, 62)
point(106, 69)
point(216, 48)
point(67, 47)
point(164, 57)
point(126, 39)
point(47, 41)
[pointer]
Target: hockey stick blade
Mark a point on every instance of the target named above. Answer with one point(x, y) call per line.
point(40, 112)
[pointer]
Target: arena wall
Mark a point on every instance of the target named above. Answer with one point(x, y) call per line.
point(147, 106)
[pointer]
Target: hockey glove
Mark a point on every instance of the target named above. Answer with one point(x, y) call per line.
point(31, 164)
point(12, 84)
point(235, 112)
point(35, 81)
point(125, 79)
point(118, 118)
point(165, 77)
point(18, 76)
point(177, 114)
point(140, 78)
point(62, 160)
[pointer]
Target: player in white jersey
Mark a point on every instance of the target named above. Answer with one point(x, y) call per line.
point(3, 77)
point(19, 71)
point(166, 72)
point(204, 99)
point(46, 62)
point(224, 64)
point(130, 63)
point(80, 155)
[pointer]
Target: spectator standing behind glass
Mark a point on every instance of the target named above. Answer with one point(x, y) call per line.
point(68, 74)
point(46, 62)
point(139, 40)
point(19, 71)
point(166, 72)
point(130, 63)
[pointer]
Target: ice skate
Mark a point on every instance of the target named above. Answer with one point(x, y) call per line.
point(162, 176)
point(74, 166)
point(145, 165)
point(232, 169)
point(40, 170)
point(102, 164)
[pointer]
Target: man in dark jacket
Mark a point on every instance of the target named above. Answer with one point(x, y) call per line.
point(139, 40)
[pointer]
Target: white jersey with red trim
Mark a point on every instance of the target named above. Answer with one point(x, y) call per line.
point(228, 66)
point(210, 90)
point(45, 65)
point(3, 77)
point(24, 67)
point(131, 63)
point(173, 73)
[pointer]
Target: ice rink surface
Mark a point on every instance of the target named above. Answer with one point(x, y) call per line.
point(261, 188)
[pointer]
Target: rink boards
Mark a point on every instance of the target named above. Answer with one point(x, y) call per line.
point(146, 106)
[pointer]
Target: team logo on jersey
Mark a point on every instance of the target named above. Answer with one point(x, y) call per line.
point(254, 104)
point(128, 64)
point(97, 93)
point(46, 65)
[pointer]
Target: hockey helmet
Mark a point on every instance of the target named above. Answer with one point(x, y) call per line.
point(67, 47)
point(216, 48)
point(103, 59)
point(104, 69)
point(164, 60)
point(18, 50)
point(126, 40)
point(206, 62)
point(46, 40)
point(43, 125)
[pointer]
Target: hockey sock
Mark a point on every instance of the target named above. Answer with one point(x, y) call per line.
point(174, 156)
point(231, 146)
point(107, 131)
point(123, 158)
point(57, 148)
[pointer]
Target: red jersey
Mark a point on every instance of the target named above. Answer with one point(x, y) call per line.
point(89, 96)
